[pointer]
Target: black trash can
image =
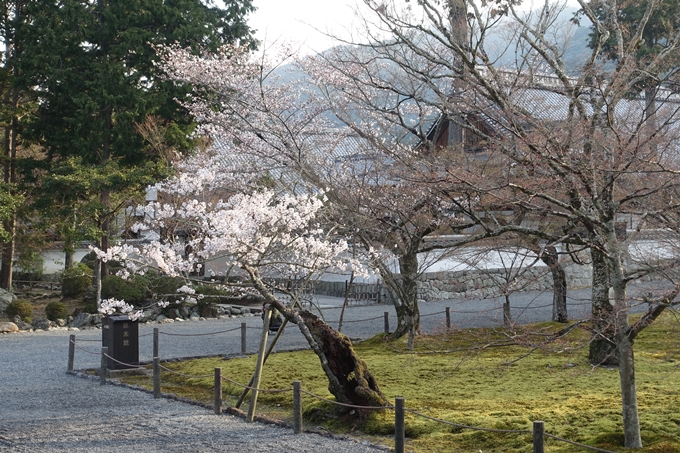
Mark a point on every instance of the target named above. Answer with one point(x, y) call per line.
point(121, 336)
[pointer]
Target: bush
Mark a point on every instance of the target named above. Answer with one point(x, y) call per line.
point(56, 310)
point(21, 308)
point(165, 287)
point(75, 280)
point(134, 290)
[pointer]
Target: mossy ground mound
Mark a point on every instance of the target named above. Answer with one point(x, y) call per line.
point(473, 377)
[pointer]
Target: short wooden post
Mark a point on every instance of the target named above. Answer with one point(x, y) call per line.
point(258, 366)
point(399, 428)
point(387, 322)
point(297, 407)
point(218, 391)
point(539, 431)
point(244, 332)
point(102, 371)
point(156, 377)
point(154, 353)
point(448, 318)
point(71, 351)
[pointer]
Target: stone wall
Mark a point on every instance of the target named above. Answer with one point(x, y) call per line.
point(480, 283)
point(472, 283)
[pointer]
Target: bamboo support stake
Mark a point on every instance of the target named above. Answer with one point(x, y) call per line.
point(245, 391)
point(258, 366)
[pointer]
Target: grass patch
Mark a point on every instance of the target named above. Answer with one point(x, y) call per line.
point(473, 377)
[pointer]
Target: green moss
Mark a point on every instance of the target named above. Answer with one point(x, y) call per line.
point(464, 377)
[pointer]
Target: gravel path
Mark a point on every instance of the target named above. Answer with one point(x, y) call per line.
point(43, 409)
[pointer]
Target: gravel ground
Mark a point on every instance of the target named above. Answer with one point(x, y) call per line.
point(44, 409)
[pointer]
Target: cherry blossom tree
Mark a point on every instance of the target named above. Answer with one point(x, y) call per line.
point(262, 236)
point(291, 127)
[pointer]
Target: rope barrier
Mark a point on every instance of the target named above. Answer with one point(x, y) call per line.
point(432, 314)
point(94, 341)
point(199, 334)
point(344, 404)
point(475, 428)
point(577, 444)
point(85, 350)
point(129, 365)
point(204, 376)
point(362, 320)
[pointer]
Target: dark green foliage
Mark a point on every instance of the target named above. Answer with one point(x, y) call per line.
point(75, 280)
point(94, 67)
point(164, 287)
point(90, 307)
point(56, 310)
point(20, 308)
point(134, 290)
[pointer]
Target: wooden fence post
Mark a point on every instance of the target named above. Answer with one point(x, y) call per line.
point(244, 332)
point(156, 377)
point(154, 353)
point(102, 371)
point(448, 318)
point(71, 351)
point(218, 391)
point(399, 428)
point(297, 407)
point(539, 430)
point(387, 322)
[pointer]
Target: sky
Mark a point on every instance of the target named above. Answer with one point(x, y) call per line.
point(296, 21)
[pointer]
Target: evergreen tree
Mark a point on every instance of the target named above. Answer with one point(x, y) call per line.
point(93, 63)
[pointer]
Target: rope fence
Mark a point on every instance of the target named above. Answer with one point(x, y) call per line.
point(538, 434)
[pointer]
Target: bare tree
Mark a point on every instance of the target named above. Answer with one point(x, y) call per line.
point(575, 147)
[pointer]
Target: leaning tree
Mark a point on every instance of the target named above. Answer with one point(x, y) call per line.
point(260, 237)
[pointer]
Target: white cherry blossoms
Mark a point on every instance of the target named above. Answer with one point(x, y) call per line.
point(114, 306)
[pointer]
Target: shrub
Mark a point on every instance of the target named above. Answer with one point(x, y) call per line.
point(21, 308)
point(165, 287)
point(75, 280)
point(134, 290)
point(56, 310)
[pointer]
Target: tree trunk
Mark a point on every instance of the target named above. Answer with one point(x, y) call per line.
point(349, 379)
point(507, 316)
point(8, 256)
point(406, 305)
point(624, 346)
point(69, 258)
point(551, 259)
point(631, 422)
point(603, 345)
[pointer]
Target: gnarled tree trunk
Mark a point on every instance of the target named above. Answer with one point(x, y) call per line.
point(349, 378)
point(551, 259)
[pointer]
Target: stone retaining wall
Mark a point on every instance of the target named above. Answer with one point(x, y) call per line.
point(473, 283)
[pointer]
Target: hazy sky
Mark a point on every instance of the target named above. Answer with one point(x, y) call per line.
point(296, 20)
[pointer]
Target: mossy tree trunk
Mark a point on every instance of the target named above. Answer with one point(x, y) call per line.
point(349, 378)
point(603, 346)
